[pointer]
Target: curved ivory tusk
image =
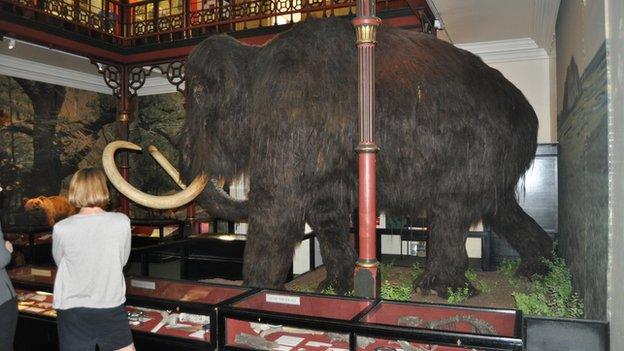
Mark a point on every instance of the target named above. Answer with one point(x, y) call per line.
point(157, 202)
point(166, 165)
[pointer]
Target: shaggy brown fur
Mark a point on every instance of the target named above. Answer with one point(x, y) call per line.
point(55, 208)
point(455, 137)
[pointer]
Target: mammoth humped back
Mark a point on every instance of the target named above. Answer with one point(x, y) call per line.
point(454, 135)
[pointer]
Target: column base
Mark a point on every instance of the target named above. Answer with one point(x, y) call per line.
point(367, 279)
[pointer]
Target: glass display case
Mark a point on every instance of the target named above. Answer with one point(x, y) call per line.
point(281, 320)
point(170, 314)
point(185, 315)
point(176, 312)
point(34, 243)
point(151, 231)
point(33, 277)
point(36, 326)
point(215, 255)
point(36, 303)
point(419, 326)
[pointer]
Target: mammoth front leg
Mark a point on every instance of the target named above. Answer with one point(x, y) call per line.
point(273, 233)
point(331, 226)
point(447, 259)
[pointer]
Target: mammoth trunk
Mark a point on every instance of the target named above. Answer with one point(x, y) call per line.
point(220, 205)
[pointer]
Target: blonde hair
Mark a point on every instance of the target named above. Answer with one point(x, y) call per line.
point(87, 188)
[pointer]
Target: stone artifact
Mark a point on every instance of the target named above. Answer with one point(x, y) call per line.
point(479, 326)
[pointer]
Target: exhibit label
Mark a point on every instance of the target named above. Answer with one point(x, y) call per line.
point(283, 299)
point(143, 284)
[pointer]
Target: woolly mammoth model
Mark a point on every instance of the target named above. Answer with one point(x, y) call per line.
point(455, 137)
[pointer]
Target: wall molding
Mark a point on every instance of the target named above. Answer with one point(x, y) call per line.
point(509, 50)
point(41, 72)
point(497, 51)
point(37, 71)
point(543, 22)
point(157, 85)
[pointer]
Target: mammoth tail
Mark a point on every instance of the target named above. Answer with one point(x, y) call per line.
point(221, 205)
point(523, 234)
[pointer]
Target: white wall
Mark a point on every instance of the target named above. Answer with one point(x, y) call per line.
point(532, 70)
point(533, 78)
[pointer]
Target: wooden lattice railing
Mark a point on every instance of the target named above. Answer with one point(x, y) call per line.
point(154, 21)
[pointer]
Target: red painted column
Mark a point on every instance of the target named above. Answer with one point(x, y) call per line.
point(367, 280)
point(190, 218)
point(123, 110)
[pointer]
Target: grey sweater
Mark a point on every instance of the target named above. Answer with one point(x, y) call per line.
point(90, 252)
point(6, 288)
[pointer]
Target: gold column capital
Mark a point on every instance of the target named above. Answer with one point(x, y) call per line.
point(366, 34)
point(124, 117)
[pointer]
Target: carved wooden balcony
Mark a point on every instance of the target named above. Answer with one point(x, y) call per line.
point(119, 25)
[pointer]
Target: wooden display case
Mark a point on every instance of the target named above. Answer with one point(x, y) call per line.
point(421, 326)
point(281, 320)
point(152, 231)
point(163, 314)
point(34, 242)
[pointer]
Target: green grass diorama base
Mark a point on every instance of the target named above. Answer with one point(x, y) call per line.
point(499, 295)
point(550, 295)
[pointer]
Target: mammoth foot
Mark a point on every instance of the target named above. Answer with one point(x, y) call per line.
point(338, 287)
point(440, 283)
point(529, 267)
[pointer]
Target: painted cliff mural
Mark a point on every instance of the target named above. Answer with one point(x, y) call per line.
point(583, 180)
point(48, 131)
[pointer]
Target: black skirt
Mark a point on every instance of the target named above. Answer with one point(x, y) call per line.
point(83, 328)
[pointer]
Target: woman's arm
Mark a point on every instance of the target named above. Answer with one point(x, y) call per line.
point(57, 251)
point(5, 255)
point(127, 244)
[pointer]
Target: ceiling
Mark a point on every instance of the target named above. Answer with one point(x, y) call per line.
point(472, 21)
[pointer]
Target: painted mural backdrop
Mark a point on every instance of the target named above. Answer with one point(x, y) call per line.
point(48, 131)
point(583, 180)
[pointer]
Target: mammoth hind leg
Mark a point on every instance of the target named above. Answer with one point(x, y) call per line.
point(270, 245)
point(523, 234)
point(330, 223)
point(447, 259)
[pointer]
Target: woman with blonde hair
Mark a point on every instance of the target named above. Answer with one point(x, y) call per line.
point(90, 249)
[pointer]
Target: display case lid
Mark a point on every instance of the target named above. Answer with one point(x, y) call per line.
point(35, 302)
point(27, 229)
point(43, 275)
point(180, 290)
point(23, 239)
point(462, 319)
point(220, 236)
point(339, 308)
point(155, 222)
